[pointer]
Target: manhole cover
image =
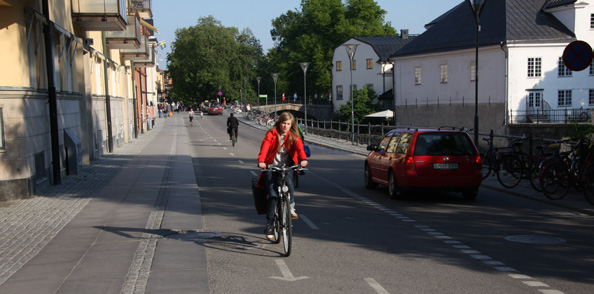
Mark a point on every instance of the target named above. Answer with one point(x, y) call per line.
point(531, 239)
point(189, 235)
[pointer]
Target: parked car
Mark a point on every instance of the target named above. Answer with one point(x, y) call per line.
point(215, 108)
point(432, 159)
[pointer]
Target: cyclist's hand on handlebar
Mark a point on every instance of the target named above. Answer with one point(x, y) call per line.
point(262, 165)
point(303, 163)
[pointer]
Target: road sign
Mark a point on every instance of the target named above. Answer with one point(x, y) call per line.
point(220, 93)
point(577, 55)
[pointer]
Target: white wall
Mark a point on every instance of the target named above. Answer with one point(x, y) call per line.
point(459, 87)
point(361, 76)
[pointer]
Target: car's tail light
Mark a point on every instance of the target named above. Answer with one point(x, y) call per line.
point(478, 163)
point(410, 163)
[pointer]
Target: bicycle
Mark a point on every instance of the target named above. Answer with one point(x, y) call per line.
point(283, 228)
point(567, 171)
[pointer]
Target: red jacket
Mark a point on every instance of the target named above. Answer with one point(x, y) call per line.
point(270, 146)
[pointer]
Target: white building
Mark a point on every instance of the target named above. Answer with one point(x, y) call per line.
point(521, 75)
point(371, 66)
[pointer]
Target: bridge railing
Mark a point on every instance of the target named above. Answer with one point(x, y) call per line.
point(363, 133)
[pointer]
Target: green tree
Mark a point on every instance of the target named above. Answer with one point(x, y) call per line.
point(209, 57)
point(313, 33)
point(362, 106)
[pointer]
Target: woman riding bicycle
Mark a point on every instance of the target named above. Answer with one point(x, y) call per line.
point(282, 145)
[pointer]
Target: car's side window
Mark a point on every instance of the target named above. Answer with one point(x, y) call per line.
point(392, 145)
point(403, 144)
point(384, 143)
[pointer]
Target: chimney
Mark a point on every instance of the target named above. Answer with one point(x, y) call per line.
point(404, 34)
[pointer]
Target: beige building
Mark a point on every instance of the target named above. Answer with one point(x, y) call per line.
point(53, 115)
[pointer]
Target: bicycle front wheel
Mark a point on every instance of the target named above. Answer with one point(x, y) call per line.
point(589, 184)
point(487, 165)
point(509, 170)
point(554, 180)
point(287, 227)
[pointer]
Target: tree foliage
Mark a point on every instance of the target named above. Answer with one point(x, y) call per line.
point(208, 58)
point(362, 106)
point(313, 33)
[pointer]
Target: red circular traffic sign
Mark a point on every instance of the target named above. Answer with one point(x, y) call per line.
point(577, 55)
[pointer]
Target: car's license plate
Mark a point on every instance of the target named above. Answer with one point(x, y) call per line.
point(445, 166)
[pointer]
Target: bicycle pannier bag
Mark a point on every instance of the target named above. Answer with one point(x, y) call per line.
point(260, 194)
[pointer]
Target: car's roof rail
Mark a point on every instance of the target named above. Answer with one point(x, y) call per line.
point(446, 127)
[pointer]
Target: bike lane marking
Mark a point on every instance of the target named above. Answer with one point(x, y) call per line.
point(376, 286)
point(487, 260)
point(308, 222)
point(287, 275)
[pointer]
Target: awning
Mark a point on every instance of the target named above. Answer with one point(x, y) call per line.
point(387, 114)
point(146, 25)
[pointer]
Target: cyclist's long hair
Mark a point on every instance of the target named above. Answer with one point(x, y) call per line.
point(293, 134)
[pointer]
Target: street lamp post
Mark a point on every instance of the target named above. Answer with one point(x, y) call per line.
point(351, 49)
point(258, 79)
point(275, 78)
point(244, 90)
point(476, 6)
point(304, 66)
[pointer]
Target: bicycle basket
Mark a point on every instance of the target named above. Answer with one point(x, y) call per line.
point(260, 195)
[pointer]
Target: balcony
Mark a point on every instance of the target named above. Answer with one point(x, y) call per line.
point(127, 39)
point(100, 15)
point(140, 54)
point(142, 7)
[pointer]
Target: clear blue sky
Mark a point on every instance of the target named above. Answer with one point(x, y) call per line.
point(257, 15)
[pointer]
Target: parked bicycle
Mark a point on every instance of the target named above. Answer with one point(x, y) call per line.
point(283, 227)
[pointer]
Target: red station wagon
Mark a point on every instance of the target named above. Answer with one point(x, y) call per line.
point(433, 159)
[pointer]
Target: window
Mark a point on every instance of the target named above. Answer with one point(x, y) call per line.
point(534, 67)
point(369, 63)
point(339, 92)
point(563, 70)
point(339, 66)
point(443, 73)
point(2, 147)
point(591, 97)
point(369, 86)
point(417, 75)
point(392, 145)
point(592, 21)
point(384, 143)
point(535, 99)
point(564, 98)
point(473, 71)
point(403, 144)
point(592, 69)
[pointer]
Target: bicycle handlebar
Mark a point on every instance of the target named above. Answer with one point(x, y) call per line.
point(284, 168)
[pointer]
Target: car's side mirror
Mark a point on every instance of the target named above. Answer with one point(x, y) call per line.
point(371, 148)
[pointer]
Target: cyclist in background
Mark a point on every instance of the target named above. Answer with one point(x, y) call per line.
point(282, 145)
point(232, 123)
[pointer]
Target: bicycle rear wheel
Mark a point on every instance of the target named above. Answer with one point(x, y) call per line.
point(233, 139)
point(554, 180)
point(286, 227)
point(509, 170)
point(487, 164)
point(589, 184)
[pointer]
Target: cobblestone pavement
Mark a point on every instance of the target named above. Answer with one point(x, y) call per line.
point(27, 225)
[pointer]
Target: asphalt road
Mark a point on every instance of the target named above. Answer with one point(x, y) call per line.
point(352, 240)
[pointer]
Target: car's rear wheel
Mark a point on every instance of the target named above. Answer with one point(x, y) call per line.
point(393, 189)
point(369, 184)
point(470, 194)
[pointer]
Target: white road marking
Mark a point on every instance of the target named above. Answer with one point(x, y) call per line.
point(376, 286)
point(240, 162)
point(287, 275)
point(253, 173)
point(308, 222)
point(231, 154)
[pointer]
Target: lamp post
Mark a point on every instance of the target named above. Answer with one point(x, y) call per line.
point(351, 49)
point(244, 90)
point(330, 67)
point(258, 79)
point(476, 6)
point(304, 66)
point(275, 78)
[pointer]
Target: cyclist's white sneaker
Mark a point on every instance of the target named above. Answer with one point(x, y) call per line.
point(294, 214)
point(269, 231)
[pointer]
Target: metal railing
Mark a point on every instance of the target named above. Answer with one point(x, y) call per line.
point(568, 115)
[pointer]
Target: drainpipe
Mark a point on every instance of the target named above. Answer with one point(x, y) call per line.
point(503, 45)
point(134, 89)
point(107, 98)
point(52, 97)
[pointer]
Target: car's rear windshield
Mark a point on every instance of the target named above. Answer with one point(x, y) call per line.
point(215, 105)
point(443, 144)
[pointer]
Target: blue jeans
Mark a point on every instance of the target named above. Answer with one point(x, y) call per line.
point(272, 179)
